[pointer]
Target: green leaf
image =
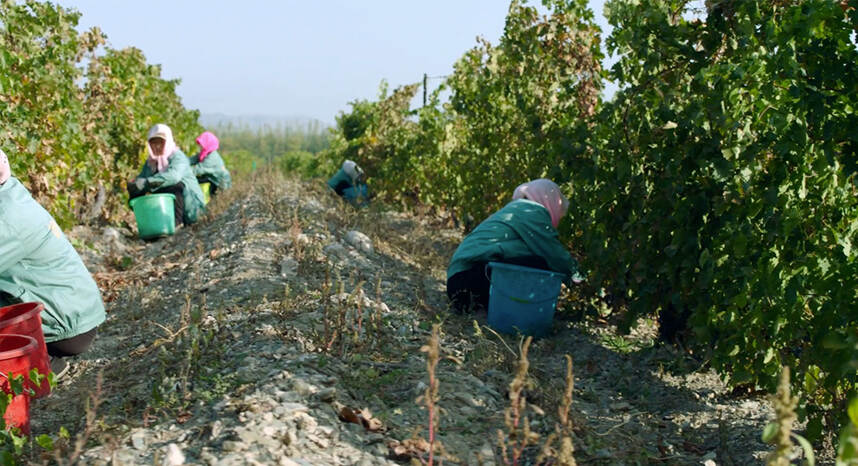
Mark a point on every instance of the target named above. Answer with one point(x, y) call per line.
point(45, 441)
point(810, 459)
point(770, 432)
point(814, 428)
point(847, 449)
point(770, 354)
point(834, 341)
point(852, 410)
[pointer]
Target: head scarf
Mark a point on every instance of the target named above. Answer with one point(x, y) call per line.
point(160, 162)
point(352, 170)
point(208, 143)
point(547, 193)
point(5, 169)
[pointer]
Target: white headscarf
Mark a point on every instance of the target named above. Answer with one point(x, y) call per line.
point(160, 162)
point(352, 170)
point(5, 169)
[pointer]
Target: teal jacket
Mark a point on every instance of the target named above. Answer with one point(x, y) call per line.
point(213, 168)
point(178, 171)
point(37, 263)
point(521, 229)
point(338, 178)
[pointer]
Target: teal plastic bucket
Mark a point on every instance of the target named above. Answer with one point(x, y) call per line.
point(357, 195)
point(522, 299)
point(155, 215)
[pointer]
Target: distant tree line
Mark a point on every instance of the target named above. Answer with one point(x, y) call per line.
point(292, 147)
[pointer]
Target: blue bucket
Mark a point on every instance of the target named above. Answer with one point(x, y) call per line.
point(522, 299)
point(358, 195)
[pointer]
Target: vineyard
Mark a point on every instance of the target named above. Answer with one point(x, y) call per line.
point(713, 194)
point(715, 191)
point(75, 111)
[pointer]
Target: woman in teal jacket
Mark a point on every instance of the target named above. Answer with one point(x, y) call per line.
point(349, 183)
point(168, 170)
point(524, 232)
point(208, 166)
point(38, 264)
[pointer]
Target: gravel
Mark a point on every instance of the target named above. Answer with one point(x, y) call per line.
point(244, 339)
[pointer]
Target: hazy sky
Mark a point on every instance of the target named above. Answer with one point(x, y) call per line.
point(305, 58)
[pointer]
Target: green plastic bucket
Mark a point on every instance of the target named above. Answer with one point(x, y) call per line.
point(155, 215)
point(206, 187)
point(522, 299)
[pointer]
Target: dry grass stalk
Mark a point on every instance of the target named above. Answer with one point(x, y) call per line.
point(185, 314)
point(518, 435)
point(430, 397)
point(784, 404)
point(332, 331)
point(326, 303)
point(563, 430)
point(294, 232)
point(376, 313)
point(62, 455)
point(358, 296)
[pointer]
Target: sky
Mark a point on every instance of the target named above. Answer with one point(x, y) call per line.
point(295, 58)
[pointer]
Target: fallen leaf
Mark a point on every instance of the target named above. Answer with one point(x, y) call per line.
point(183, 417)
point(409, 448)
point(373, 425)
point(347, 415)
point(361, 417)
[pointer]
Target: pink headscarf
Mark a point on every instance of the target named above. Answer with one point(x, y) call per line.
point(160, 162)
point(208, 143)
point(547, 193)
point(5, 169)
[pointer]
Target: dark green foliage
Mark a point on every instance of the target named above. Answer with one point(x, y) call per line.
point(722, 186)
point(717, 185)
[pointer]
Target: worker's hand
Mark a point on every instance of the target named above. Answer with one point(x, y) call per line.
point(137, 186)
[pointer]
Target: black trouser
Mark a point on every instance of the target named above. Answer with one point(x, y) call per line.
point(71, 346)
point(469, 289)
point(176, 190)
point(342, 186)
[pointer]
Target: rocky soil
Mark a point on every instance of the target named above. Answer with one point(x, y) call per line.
point(286, 329)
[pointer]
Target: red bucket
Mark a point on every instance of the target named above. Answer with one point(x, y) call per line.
point(15, 355)
point(26, 319)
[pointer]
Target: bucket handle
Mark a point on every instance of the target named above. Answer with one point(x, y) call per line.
point(514, 298)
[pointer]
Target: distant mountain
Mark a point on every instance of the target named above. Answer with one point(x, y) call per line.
point(213, 120)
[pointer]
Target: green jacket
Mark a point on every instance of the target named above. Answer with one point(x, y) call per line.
point(178, 171)
point(37, 263)
point(521, 229)
point(212, 168)
point(338, 178)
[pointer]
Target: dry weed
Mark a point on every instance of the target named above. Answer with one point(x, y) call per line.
point(781, 430)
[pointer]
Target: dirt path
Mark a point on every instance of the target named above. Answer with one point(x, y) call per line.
point(242, 339)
